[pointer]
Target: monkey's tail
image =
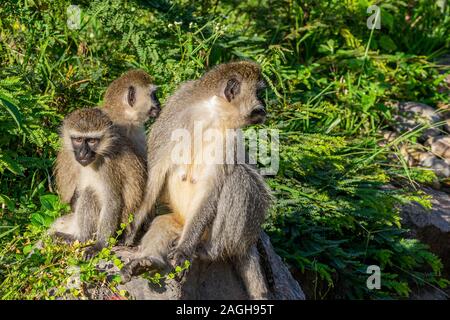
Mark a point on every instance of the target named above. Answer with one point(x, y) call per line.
point(266, 264)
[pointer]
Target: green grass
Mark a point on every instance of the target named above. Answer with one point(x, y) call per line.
point(330, 83)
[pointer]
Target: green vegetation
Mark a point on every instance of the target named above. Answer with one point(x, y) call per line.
point(331, 81)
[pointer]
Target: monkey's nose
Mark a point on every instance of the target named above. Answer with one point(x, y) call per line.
point(258, 111)
point(154, 112)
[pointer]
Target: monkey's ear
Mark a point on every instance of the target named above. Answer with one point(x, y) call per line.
point(232, 89)
point(131, 96)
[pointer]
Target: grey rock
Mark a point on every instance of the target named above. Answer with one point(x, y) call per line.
point(447, 125)
point(387, 137)
point(412, 115)
point(440, 167)
point(208, 280)
point(431, 226)
point(420, 111)
point(430, 293)
point(440, 146)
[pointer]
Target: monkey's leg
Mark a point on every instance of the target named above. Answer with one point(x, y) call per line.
point(64, 228)
point(158, 239)
point(86, 215)
point(195, 228)
point(154, 247)
point(252, 274)
point(155, 182)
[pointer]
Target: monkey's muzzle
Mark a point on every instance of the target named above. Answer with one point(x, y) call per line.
point(154, 112)
point(84, 155)
point(258, 115)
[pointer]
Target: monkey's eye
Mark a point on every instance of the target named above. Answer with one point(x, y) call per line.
point(92, 142)
point(77, 140)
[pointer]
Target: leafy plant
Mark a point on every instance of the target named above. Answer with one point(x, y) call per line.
point(331, 84)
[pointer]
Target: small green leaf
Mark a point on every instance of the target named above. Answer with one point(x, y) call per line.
point(27, 249)
point(170, 276)
point(49, 201)
point(7, 201)
point(387, 43)
point(10, 106)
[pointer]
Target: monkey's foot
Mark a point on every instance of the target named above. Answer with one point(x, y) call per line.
point(130, 234)
point(177, 258)
point(92, 251)
point(202, 253)
point(139, 266)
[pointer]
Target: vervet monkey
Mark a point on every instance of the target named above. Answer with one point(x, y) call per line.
point(110, 178)
point(130, 101)
point(218, 208)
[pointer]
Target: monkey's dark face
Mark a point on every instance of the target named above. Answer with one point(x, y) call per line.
point(84, 149)
point(247, 97)
point(142, 103)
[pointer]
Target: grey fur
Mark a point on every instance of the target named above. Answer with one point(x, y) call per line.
point(228, 222)
point(108, 189)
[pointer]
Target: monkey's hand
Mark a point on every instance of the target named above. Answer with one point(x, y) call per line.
point(130, 234)
point(93, 250)
point(63, 237)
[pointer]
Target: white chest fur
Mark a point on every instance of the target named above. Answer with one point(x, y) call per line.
point(90, 178)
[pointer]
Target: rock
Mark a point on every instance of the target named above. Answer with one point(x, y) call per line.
point(429, 293)
point(431, 226)
point(447, 125)
point(206, 280)
point(74, 281)
point(413, 153)
point(411, 115)
point(388, 137)
point(440, 167)
point(440, 146)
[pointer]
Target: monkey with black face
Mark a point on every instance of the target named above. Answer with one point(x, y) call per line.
point(110, 178)
point(129, 101)
point(217, 209)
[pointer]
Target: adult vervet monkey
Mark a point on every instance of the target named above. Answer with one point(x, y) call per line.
point(218, 208)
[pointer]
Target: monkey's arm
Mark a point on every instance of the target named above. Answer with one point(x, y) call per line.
point(66, 176)
point(108, 222)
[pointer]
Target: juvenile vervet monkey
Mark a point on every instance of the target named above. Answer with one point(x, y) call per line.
point(220, 205)
point(110, 178)
point(129, 101)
